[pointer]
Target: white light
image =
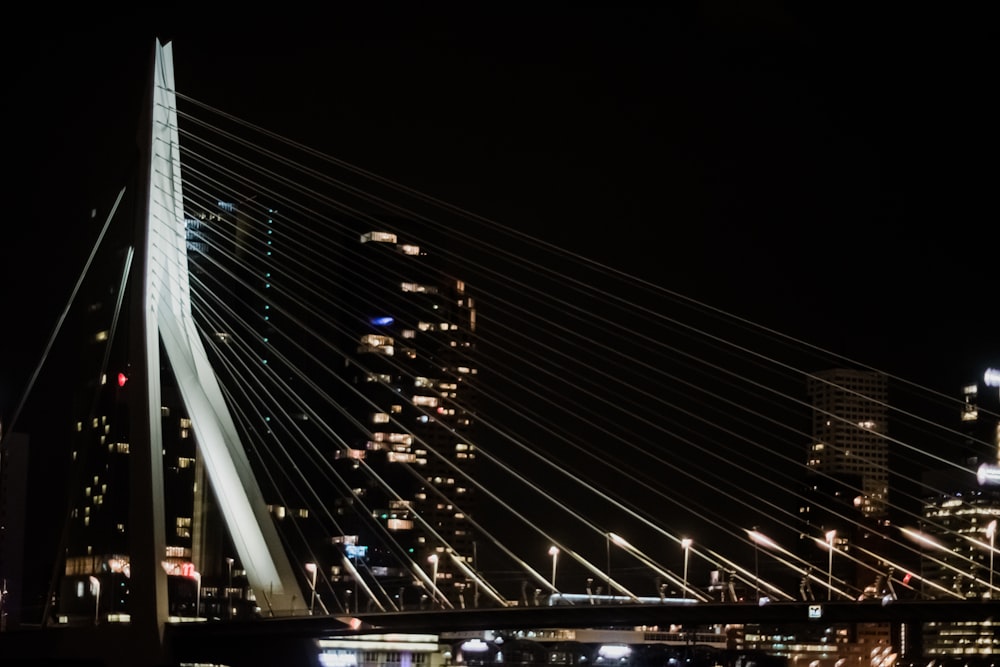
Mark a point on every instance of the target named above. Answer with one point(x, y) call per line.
point(762, 539)
point(614, 651)
point(991, 378)
point(553, 551)
point(988, 474)
point(474, 646)
point(618, 539)
point(991, 529)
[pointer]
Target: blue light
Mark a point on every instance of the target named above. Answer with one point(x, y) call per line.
point(382, 321)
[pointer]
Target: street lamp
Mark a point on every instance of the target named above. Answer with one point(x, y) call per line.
point(608, 572)
point(686, 543)
point(229, 589)
point(311, 569)
point(759, 539)
point(554, 552)
point(830, 536)
point(991, 532)
point(433, 560)
point(197, 594)
point(95, 590)
point(623, 543)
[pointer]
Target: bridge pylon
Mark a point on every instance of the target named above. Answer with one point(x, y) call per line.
point(162, 319)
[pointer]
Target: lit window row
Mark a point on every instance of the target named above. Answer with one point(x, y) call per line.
point(418, 288)
point(378, 237)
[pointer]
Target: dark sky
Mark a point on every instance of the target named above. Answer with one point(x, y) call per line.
point(830, 174)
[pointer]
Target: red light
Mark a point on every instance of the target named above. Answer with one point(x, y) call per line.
point(907, 577)
point(122, 379)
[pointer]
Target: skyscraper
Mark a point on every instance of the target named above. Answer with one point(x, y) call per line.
point(849, 425)
point(351, 352)
point(961, 516)
point(847, 491)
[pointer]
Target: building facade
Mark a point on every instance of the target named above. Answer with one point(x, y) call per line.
point(961, 514)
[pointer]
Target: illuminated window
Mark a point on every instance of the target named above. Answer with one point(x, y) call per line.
point(378, 237)
point(418, 288)
point(377, 343)
point(427, 401)
point(408, 249)
point(380, 418)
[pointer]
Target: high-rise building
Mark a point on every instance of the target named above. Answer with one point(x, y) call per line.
point(961, 515)
point(97, 558)
point(845, 501)
point(849, 425)
point(13, 506)
point(358, 368)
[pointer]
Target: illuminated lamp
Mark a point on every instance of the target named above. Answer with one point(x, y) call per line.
point(614, 651)
point(991, 378)
point(122, 379)
point(988, 474)
point(474, 646)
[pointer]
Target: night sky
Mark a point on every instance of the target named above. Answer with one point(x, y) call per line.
point(827, 174)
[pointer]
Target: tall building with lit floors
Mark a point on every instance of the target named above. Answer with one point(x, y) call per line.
point(960, 523)
point(845, 500)
point(411, 329)
point(95, 574)
point(355, 349)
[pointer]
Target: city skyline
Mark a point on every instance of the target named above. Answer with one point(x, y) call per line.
point(851, 291)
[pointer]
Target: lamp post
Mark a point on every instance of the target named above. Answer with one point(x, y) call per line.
point(686, 543)
point(433, 560)
point(311, 569)
point(229, 589)
point(197, 594)
point(831, 535)
point(95, 590)
point(554, 552)
point(608, 573)
point(991, 532)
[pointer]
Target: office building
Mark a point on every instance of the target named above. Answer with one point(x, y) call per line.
point(961, 514)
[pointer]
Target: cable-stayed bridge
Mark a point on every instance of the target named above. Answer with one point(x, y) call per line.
point(398, 408)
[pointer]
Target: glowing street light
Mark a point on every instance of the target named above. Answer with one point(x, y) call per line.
point(686, 544)
point(831, 535)
point(758, 539)
point(991, 532)
point(554, 552)
point(607, 573)
point(311, 569)
point(433, 560)
point(229, 589)
point(95, 590)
